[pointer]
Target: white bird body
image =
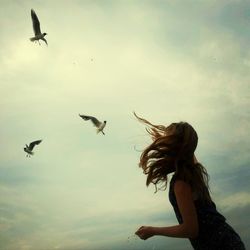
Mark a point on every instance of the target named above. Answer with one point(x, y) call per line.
point(36, 28)
point(100, 129)
point(99, 125)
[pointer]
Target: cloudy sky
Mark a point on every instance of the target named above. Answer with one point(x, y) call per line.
point(169, 61)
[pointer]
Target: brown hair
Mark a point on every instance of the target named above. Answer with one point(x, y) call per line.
point(172, 150)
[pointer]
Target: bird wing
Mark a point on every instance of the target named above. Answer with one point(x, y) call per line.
point(96, 122)
point(36, 23)
point(32, 144)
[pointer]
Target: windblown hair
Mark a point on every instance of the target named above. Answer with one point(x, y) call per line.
point(172, 150)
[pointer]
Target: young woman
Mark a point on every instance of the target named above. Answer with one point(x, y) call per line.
point(172, 151)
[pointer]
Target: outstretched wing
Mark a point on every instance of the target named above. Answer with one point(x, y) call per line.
point(36, 23)
point(92, 118)
point(32, 144)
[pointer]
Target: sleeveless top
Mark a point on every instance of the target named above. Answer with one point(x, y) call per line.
point(212, 225)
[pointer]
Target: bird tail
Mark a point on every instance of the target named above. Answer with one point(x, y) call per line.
point(99, 130)
point(45, 41)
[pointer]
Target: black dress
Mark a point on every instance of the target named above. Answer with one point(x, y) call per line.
point(214, 232)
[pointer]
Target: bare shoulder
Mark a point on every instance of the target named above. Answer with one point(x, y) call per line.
point(182, 187)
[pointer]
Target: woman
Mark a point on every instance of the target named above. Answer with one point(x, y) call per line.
point(172, 151)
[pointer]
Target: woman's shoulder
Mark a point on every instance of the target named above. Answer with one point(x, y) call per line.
point(177, 182)
point(175, 178)
point(181, 186)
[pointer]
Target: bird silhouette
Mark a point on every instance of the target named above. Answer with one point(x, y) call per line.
point(28, 149)
point(99, 125)
point(36, 28)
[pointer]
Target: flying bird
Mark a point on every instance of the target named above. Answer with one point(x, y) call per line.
point(28, 149)
point(99, 125)
point(36, 28)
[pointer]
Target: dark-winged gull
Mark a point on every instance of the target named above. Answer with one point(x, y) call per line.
point(36, 28)
point(28, 149)
point(99, 125)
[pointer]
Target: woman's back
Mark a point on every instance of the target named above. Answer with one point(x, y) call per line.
point(214, 232)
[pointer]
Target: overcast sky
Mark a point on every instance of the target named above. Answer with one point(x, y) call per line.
point(169, 61)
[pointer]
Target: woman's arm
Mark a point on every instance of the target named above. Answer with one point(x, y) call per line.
point(189, 228)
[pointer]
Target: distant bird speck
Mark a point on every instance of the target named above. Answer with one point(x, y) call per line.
point(36, 29)
point(28, 149)
point(99, 125)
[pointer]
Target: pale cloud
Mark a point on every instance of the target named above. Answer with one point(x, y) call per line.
point(168, 62)
point(240, 199)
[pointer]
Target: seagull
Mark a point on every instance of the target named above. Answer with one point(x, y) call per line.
point(100, 125)
point(28, 149)
point(36, 29)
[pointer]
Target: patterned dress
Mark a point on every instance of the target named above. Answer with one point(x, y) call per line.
point(214, 232)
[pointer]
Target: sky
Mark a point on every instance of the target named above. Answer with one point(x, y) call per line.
point(168, 61)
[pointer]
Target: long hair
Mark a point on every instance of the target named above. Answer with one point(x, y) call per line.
point(172, 150)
